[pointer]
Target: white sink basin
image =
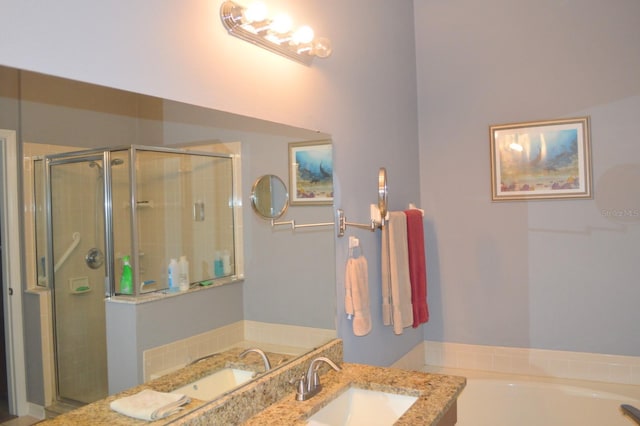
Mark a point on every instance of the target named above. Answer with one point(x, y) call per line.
point(362, 407)
point(215, 384)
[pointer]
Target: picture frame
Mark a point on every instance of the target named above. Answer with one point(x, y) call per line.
point(311, 173)
point(541, 160)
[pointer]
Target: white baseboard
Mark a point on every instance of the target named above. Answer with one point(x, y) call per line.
point(36, 411)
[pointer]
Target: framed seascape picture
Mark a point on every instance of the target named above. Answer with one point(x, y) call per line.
point(311, 173)
point(541, 160)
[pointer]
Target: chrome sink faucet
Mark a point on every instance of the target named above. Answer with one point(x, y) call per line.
point(309, 385)
point(265, 359)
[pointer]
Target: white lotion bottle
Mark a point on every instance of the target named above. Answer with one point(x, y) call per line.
point(226, 263)
point(183, 266)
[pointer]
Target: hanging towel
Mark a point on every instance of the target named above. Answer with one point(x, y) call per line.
point(356, 302)
point(149, 404)
point(396, 284)
point(417, 266)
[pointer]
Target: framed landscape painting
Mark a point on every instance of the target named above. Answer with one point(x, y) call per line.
point(541, 160)
point(311, 173)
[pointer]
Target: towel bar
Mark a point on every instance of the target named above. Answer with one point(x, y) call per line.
point(295, 226)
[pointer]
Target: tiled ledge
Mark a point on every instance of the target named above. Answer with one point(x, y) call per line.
point(293, 340)
point(525, 361)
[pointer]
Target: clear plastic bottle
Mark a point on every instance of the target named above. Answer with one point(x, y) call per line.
point(173, 279)
point(126, 280)
point(183, 266)
point(226, 263)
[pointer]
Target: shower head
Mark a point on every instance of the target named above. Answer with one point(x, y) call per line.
point(114, 162)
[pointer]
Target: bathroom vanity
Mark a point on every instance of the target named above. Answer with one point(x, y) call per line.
point(271, 398)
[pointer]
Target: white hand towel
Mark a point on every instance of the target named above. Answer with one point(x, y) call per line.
point(396, 282)
point(357, 295)
point(149, 404)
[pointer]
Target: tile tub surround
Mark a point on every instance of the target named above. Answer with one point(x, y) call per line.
point(531, 362)
point(436, 395)
point(280, 338)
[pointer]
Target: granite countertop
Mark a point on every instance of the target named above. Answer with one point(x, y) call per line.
point(269, 399)
point(436, 394)
point(99, 412)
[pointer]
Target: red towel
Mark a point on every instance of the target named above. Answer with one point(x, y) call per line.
point(417, 267)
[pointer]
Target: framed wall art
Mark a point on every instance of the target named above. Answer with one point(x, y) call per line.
point(311, 173)
point(541, 160)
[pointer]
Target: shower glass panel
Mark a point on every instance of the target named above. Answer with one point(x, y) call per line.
point(184, 207)
point(40, 221)
point(76, 190)
point(150, 204)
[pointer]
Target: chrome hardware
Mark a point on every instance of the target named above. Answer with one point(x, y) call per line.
point(309, 385)
point(94, 258)
point(202, 358)
point(265, 359)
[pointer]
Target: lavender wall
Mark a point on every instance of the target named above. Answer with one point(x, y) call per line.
point(545, 274)
point(363, 95)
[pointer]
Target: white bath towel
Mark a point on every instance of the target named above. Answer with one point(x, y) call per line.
point(396, 282)
point(356, 301)
point(149, 404)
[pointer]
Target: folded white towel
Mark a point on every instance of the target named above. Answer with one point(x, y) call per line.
point(357, 295)
point(149, 404)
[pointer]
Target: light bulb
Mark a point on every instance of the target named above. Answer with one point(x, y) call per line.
point(255, 12)
point(303, 35)
point(281, 23)
point(322, 47)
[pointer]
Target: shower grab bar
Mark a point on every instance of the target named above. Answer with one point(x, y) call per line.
point(76, 240)
point(632, 412)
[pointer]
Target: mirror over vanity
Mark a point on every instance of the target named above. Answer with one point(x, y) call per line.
point(287, 284)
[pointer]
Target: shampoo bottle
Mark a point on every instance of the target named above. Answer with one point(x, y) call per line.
point(183, 265)
point(126, 280)
point(218, 268)
point(172, 275)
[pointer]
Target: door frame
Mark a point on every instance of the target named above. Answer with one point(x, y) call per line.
point(12, 273)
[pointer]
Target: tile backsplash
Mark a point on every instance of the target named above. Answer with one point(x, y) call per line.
point(280, 338)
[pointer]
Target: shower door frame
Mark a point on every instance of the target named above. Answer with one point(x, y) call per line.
point(69, 158)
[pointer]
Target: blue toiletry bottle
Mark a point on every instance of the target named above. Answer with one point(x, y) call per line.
point(126, 280)
point(172, 275)
point(218, 267)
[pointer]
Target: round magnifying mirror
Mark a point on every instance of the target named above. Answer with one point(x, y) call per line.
point(269, 197)
point(382, 192)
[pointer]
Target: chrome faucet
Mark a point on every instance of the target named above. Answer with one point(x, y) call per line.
point(309, 385)
point(265, 359)
point(202, 358)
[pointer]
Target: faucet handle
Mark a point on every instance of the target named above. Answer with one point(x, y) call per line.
point(301, 387)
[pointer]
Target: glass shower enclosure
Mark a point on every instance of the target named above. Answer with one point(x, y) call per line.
point(146, 203)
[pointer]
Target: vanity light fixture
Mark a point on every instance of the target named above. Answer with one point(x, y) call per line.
point(276, 34)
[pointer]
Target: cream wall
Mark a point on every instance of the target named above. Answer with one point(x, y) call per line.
point(364, 95)
point(560, 275)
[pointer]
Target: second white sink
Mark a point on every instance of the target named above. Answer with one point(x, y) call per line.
point(362, 407)
point(215, 384)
